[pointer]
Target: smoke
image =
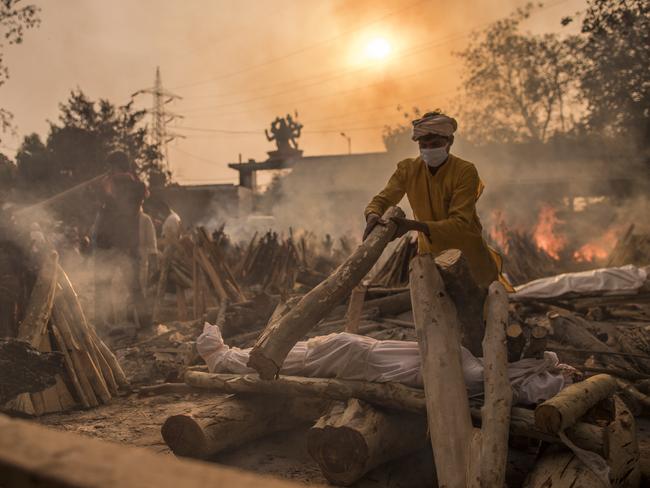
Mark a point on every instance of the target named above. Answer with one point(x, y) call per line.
point(37, 231)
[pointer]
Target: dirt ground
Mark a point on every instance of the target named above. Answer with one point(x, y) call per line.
point(136, 421)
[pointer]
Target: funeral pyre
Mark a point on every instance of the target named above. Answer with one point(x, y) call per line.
point(590, 332)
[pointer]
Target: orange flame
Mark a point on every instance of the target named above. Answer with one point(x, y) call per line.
point(599, 249)
point(544, 233)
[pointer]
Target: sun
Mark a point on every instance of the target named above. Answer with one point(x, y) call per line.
point(377, 49)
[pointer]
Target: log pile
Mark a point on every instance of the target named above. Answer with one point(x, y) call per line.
point(523, 261)
point(54, 321)
point(357, 425)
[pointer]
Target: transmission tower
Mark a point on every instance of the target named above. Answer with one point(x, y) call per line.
point(160, 118)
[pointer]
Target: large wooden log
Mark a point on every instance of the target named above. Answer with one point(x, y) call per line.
point(466, 295)
point(568, 330)
point(622, 448)
point(498, 392)
point(24, 369)
point(235, 421)
point(560, 468)
point(584, 435)
point(565, 408)
point(279, 337)
point(438, 332)
point(32, 455)
point(390, 395)
point(39, 308)
point(354, 437)
point(355, 308)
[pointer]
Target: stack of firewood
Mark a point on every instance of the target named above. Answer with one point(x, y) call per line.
point(196, 263)
point(360, 425)
point(523, 261)
point(271, 262)
point(54, 321)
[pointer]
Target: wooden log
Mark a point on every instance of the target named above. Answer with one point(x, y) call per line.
point(39, 307)
point(56, 398)
point(85, 332)
point(32, 455)
point(354, 437)
point(355, 308)
point(498, 392)
point(278, 338)
point(388, 305)
point(212, 275)
point(438, 332)
point(61, 320)
point(584, 435)
point(24, 369)
point(70, 316)
point(621, 448)
point(560, 468)
point(70, 369)
point(565, 408)
point(568, 331)
point(389, 395)
point(235, 421)
point(516, 341)
point(466, 295)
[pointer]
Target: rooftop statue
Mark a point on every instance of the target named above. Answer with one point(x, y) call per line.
point(285, 132)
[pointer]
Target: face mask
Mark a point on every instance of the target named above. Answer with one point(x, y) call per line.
point(434, 157)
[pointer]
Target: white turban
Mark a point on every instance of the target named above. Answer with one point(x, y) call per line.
point(438, 124)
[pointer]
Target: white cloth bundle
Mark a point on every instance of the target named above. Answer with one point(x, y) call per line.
point(355, 357)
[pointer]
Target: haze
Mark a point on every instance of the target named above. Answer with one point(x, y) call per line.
point(238, 64)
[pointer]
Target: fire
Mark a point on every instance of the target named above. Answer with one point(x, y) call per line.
point(599, 249)
point(544, 233)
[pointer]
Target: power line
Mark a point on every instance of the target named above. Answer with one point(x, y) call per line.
point(327, 95)
point(258, 132)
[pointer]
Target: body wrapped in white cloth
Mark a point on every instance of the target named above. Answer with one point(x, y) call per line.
point(355, 357)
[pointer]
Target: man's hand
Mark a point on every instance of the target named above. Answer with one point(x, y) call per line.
point(371, 221)
point(405, 225)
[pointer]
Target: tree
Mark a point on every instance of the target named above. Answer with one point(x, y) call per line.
point(77, 146)
point(614, 76)
point(517, 87)
point(14, 20)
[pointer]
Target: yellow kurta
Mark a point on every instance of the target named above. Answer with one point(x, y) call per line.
point(446, 202)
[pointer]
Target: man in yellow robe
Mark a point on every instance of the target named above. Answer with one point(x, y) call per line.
point(442, 190)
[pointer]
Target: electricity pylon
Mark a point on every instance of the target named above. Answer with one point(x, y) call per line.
point(160, 117)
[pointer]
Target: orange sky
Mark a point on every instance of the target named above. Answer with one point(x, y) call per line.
point(239, 63)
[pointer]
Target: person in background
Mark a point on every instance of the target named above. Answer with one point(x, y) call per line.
point(147, 251)
point(171, 227)
point(115, 237)
point(442, 190)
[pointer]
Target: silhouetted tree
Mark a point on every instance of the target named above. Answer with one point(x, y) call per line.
point(77, 146)
point(517, 87)
point(614, 77)
point(14, 20)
